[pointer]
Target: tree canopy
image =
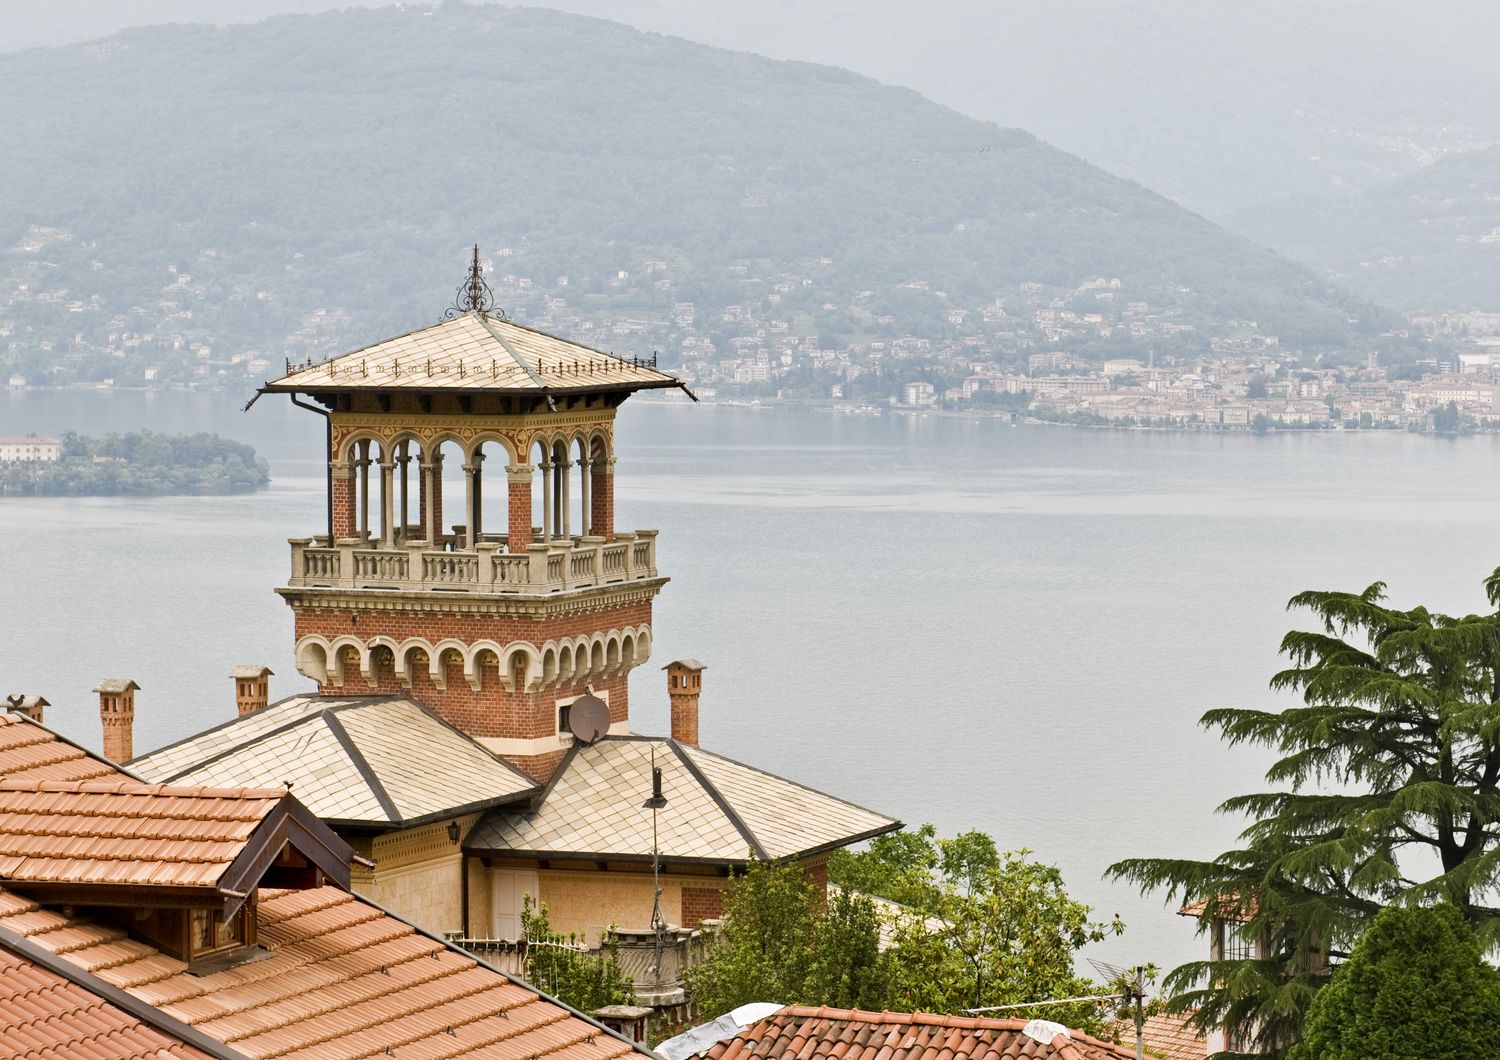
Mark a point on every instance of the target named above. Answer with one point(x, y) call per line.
point(1416, 987)
point(1386, 790)
point(913, 923)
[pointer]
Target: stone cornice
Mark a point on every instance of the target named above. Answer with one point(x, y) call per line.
point(549, 605)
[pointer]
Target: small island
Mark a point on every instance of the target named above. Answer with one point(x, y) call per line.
point(141, 463)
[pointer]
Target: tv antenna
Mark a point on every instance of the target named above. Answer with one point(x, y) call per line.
point(1133, 988)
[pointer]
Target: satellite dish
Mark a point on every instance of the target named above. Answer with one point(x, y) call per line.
point(588, 718)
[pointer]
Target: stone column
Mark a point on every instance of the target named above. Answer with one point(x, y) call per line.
point(602, 499)
point(387, 503)
point(518, 506)
point(585, 513)
point(343, 500)
point(547, 499)
point(564, 516)
point(365, 491)
point(404, 459)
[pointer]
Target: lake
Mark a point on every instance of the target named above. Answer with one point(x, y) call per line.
point(950, 620)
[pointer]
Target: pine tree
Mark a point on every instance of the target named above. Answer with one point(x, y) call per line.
point(1388, 790)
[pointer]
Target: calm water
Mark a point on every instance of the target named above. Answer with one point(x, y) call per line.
point(956, 621)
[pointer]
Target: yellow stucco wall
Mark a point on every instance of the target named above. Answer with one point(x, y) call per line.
point(417, 876)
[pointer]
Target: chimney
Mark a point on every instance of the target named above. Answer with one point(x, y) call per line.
point(31, 706)
point(252, 688)
point(117, 714)
point(684, 682)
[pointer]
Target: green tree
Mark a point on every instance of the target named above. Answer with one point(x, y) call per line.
point(1416, 987)
point(977, 927)
point(559, 966)
point(779, 943)
point(1387, 790)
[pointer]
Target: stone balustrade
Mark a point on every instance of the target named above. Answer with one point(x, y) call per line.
point(545, 566)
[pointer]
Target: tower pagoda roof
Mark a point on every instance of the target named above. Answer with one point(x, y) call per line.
point(475, 352)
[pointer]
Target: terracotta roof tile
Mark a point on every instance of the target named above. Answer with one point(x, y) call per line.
point(1166, 1036)
point(344, 980)
point(42, 1014)
point(124, 832)
point(30, 752)
point(797, 1033)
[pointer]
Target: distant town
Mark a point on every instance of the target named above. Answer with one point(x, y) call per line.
point(1091, 355)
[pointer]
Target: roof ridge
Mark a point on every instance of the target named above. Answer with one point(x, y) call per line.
point(719, 800)
point(362, 766)
point(484, 321)
point(129, 786)
point(794, 783)
point(236, 748)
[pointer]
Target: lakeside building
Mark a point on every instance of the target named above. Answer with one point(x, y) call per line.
point(30, 450)
point(470, 737)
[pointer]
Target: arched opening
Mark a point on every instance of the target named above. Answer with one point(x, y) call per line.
point(448, 472)
point(578, 450)
point(490, 518)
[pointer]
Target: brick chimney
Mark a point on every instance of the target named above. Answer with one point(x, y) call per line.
point(31, 706)
point(684, 682)
point(252, 688)
point(117, 714)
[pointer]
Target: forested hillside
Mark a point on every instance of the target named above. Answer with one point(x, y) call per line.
point(287, 186)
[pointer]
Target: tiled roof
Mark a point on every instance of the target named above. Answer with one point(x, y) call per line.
point(43, 1015)
point(122, 832)
point(343, 980)
point(378, 760)
point(30, 752)
point(717, 810)
point(795, 1033)
point(474, 352)
point(1166, 1036)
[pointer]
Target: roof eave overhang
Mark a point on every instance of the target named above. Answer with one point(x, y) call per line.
point(531, 391)
point(396, 825)
point(644, 856)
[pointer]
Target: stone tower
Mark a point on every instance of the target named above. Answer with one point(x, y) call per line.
point(508, 613)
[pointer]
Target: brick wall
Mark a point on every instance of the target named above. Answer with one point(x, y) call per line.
point(700, 904)
point(492, 711)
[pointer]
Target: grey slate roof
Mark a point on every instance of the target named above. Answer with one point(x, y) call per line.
point(382, 761)
point(718, 810)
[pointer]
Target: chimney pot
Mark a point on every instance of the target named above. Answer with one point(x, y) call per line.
point(117, 716)
point(684, 682)
point(252, 688)
point(32, 707)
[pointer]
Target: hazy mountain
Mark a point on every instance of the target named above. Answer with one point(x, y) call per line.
point(1220, 106)
point(336, 160)
point(1217, 105)
point(1430, 241)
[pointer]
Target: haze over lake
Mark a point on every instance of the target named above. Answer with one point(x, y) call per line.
point(1035, 616)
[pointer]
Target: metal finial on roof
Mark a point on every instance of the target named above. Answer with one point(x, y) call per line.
point(474, 294)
